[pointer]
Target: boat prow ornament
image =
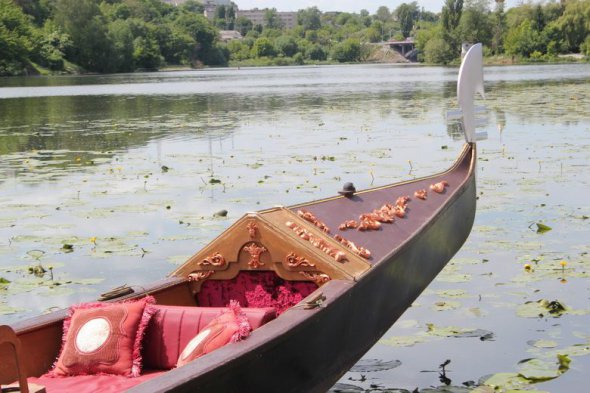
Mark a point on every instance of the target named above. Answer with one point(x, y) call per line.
point(470, 81)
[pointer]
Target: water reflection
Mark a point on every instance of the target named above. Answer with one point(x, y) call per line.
point(87, 170)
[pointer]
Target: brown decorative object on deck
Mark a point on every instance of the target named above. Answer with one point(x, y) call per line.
point(252, 229)
point(361, 251)
point(317, 242)
point(294, 260)
point(439, 187)
point(319, 278)
point(216, 260)
point(308, 216)
point(349, 224)
point(421, 194)
point(200, 276)
point(255, 251)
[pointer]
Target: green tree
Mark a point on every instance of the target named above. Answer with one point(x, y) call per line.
point(85, 24)
point(523, 40)
point(286, 45)
point(347, 51)
point(498, 28)
point(121, 36)
point(201, 31)
point(475, 24)
point(438, 51)
point(316, 52)
point(263, 47)
point(272, 20)
point(451, 15)
point(146, 53)
point(383, 14)
point(16, 38)
point(39, 10)
point(407, 14)
point(575, 24)
point(243, 25)
point(450, 19)
point(310, 18)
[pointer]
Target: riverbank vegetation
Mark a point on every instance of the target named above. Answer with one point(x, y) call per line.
point(127, 35)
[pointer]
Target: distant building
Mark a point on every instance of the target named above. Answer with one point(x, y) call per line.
point(216, 2)
point(229, 35)
point(289, 19)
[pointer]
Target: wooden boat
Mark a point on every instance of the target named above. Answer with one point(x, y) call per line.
point(335, 290)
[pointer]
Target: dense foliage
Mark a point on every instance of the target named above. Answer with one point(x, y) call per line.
point(127, 35)
point(105, 36)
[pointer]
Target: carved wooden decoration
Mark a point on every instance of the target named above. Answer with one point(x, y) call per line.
point(252, 229)
point(255, 251)
point(317, 242)
point(200, 276)
point(319, 278)
point(216, 260)
point(294, 260)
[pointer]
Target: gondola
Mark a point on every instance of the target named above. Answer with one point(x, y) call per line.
point(318, 284)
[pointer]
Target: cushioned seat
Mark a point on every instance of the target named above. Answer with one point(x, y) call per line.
point(92, 383)
point(172, 327)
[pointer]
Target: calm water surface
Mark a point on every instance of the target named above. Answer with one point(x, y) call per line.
point(128, 170)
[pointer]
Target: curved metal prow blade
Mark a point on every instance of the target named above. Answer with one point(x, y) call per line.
point(470, 81)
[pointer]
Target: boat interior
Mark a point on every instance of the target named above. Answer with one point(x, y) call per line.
point(269, 262)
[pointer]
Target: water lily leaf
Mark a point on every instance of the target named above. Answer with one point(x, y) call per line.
point(36, 254)
point(403, 341)
point(537, 370)
point(6, 309)
point(564, 362)
point(504, 381)
point(542, 228)
point(542, 343)
point(453, 293)
point(4, 281)
point(372, 365)
point(445, 306)
point(541, 308)
point(346, 388)
point(458, 332)
point(446, 389)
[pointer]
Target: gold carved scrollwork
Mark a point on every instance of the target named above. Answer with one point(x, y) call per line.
point(319, 278)
point(200, 276)
point(216, 260)
point(252, 229)
point(255, 251)
point(294, 260)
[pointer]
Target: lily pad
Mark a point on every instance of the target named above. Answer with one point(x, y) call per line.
point(541, 308)
point(403, 341)
point(542, 228)
point(372, 365)
point(504, 381)
point(542, 343)
point(537, 370)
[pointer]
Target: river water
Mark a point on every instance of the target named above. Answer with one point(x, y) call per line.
point(107, 180)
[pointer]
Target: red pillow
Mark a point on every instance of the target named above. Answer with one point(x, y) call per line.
point(231, 326)
point(104, 338)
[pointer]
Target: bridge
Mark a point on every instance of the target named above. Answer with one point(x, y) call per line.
point(402, 47)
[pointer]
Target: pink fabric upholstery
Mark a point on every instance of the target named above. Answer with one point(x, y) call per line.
point(172, 327)
point(255, 289)
point(92, 383)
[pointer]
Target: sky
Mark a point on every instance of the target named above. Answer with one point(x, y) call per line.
point(344, 5)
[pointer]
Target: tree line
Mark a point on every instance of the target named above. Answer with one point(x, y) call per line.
point(127, 35)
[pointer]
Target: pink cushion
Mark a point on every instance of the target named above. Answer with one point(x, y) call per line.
point(104, 338)
point(231, 326)
point(92, 383)
point(172, 327)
